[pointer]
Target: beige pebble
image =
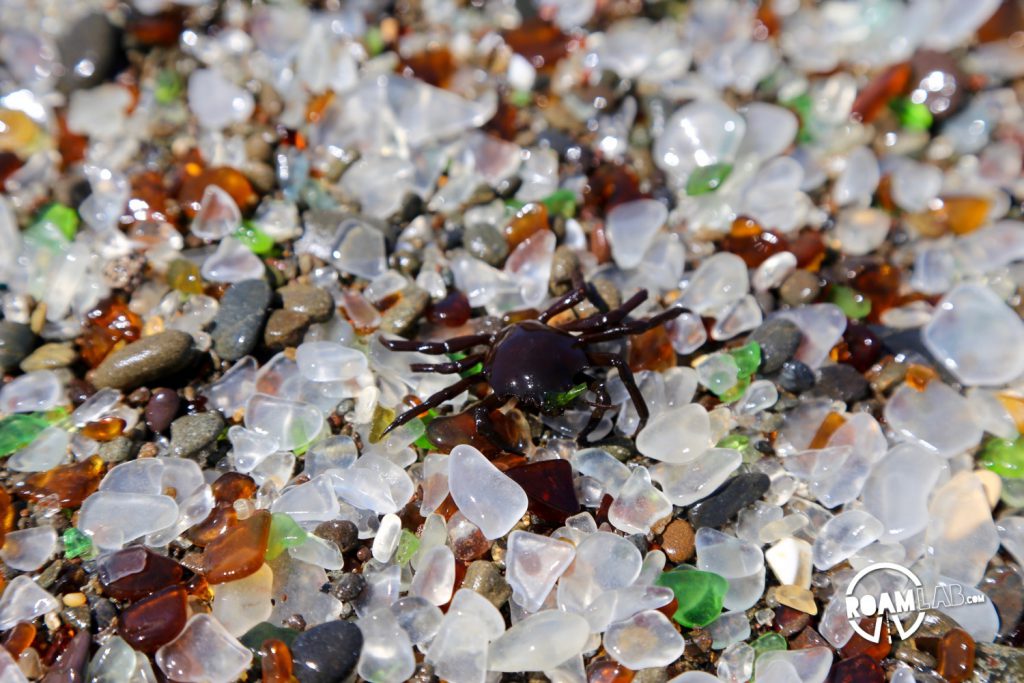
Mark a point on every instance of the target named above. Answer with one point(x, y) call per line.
point(992, 484)
point(74, 599)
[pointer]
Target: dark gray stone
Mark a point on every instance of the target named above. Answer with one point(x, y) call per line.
point(89, 52)
point(779, 339)
point(239, 322)
point(842, 383)
point(348, 587)
point(192, 435)
point(795, 376)
point(16, 342)
point(327, 653)
point(731, 497)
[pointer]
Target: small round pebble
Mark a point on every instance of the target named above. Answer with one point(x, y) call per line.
point(150, 358)
point(340, 532)
point(779, 339)
point(795, 376)
point(348, 587)
point(327, 653)
point(802, 287)
point(678, 541)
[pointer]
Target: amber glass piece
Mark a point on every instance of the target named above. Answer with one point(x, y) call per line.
point(879, 282)
point(549, 488)
point(540, 42)
point(233, 486)
point(608, 671)
point(864, 348)
point(435, 65)
point(9, 165)
point(275, 661)
point(768, 23)
point(70, 145)
point(807, 638)
point(1014, 406)
point(155, 620)
point(789, 621)
point(965, 214)
point(19, 638)
point(809, 249)
point(136, 572)
point(880, 90)
point(652, 350)
point(149, 200)
point(448, 431)
point(829, 425)
point(1007, 20)
point(104, 429)
point(71, 484)
point(599, 245)
point(505, 123)
point(960, 215)
point(919, 375)
point(161, 28)
point(753, 244)
point(238, 552)
point(228, 179)
point(451, 311)
point(108, 324)
point(17, 131)
point(70, 661)
point(857, 645)
point(608, 186)
point(859, 669)
point(220, 519)
point(6, 514)
point(956, 656)
point(529, 220)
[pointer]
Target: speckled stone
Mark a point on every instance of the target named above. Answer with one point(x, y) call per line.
point(802, 287)
point(192, 435)
point(485, 578)
point(486, 243)
point(678, 541)
point(340, 532)
point(149, 359)
point(313, 302)
point(239, 321)
point(16, 342)
point(779, 339)
point(284, 329)
point(348, 587)
point(116, 450)
point(400, 317)
point(998, 664)
point(841, 382)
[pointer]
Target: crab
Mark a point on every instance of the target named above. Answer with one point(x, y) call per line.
point(543, 367)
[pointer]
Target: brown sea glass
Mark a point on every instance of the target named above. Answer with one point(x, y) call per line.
point(155, 620)
point(71, 484)
point(239, 552)
point(136, 572)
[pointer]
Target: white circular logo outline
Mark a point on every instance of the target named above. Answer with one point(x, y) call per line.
point(876, 636)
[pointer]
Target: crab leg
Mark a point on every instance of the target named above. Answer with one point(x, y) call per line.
point(437, 348)
point(614, 361)
point(433, 401)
